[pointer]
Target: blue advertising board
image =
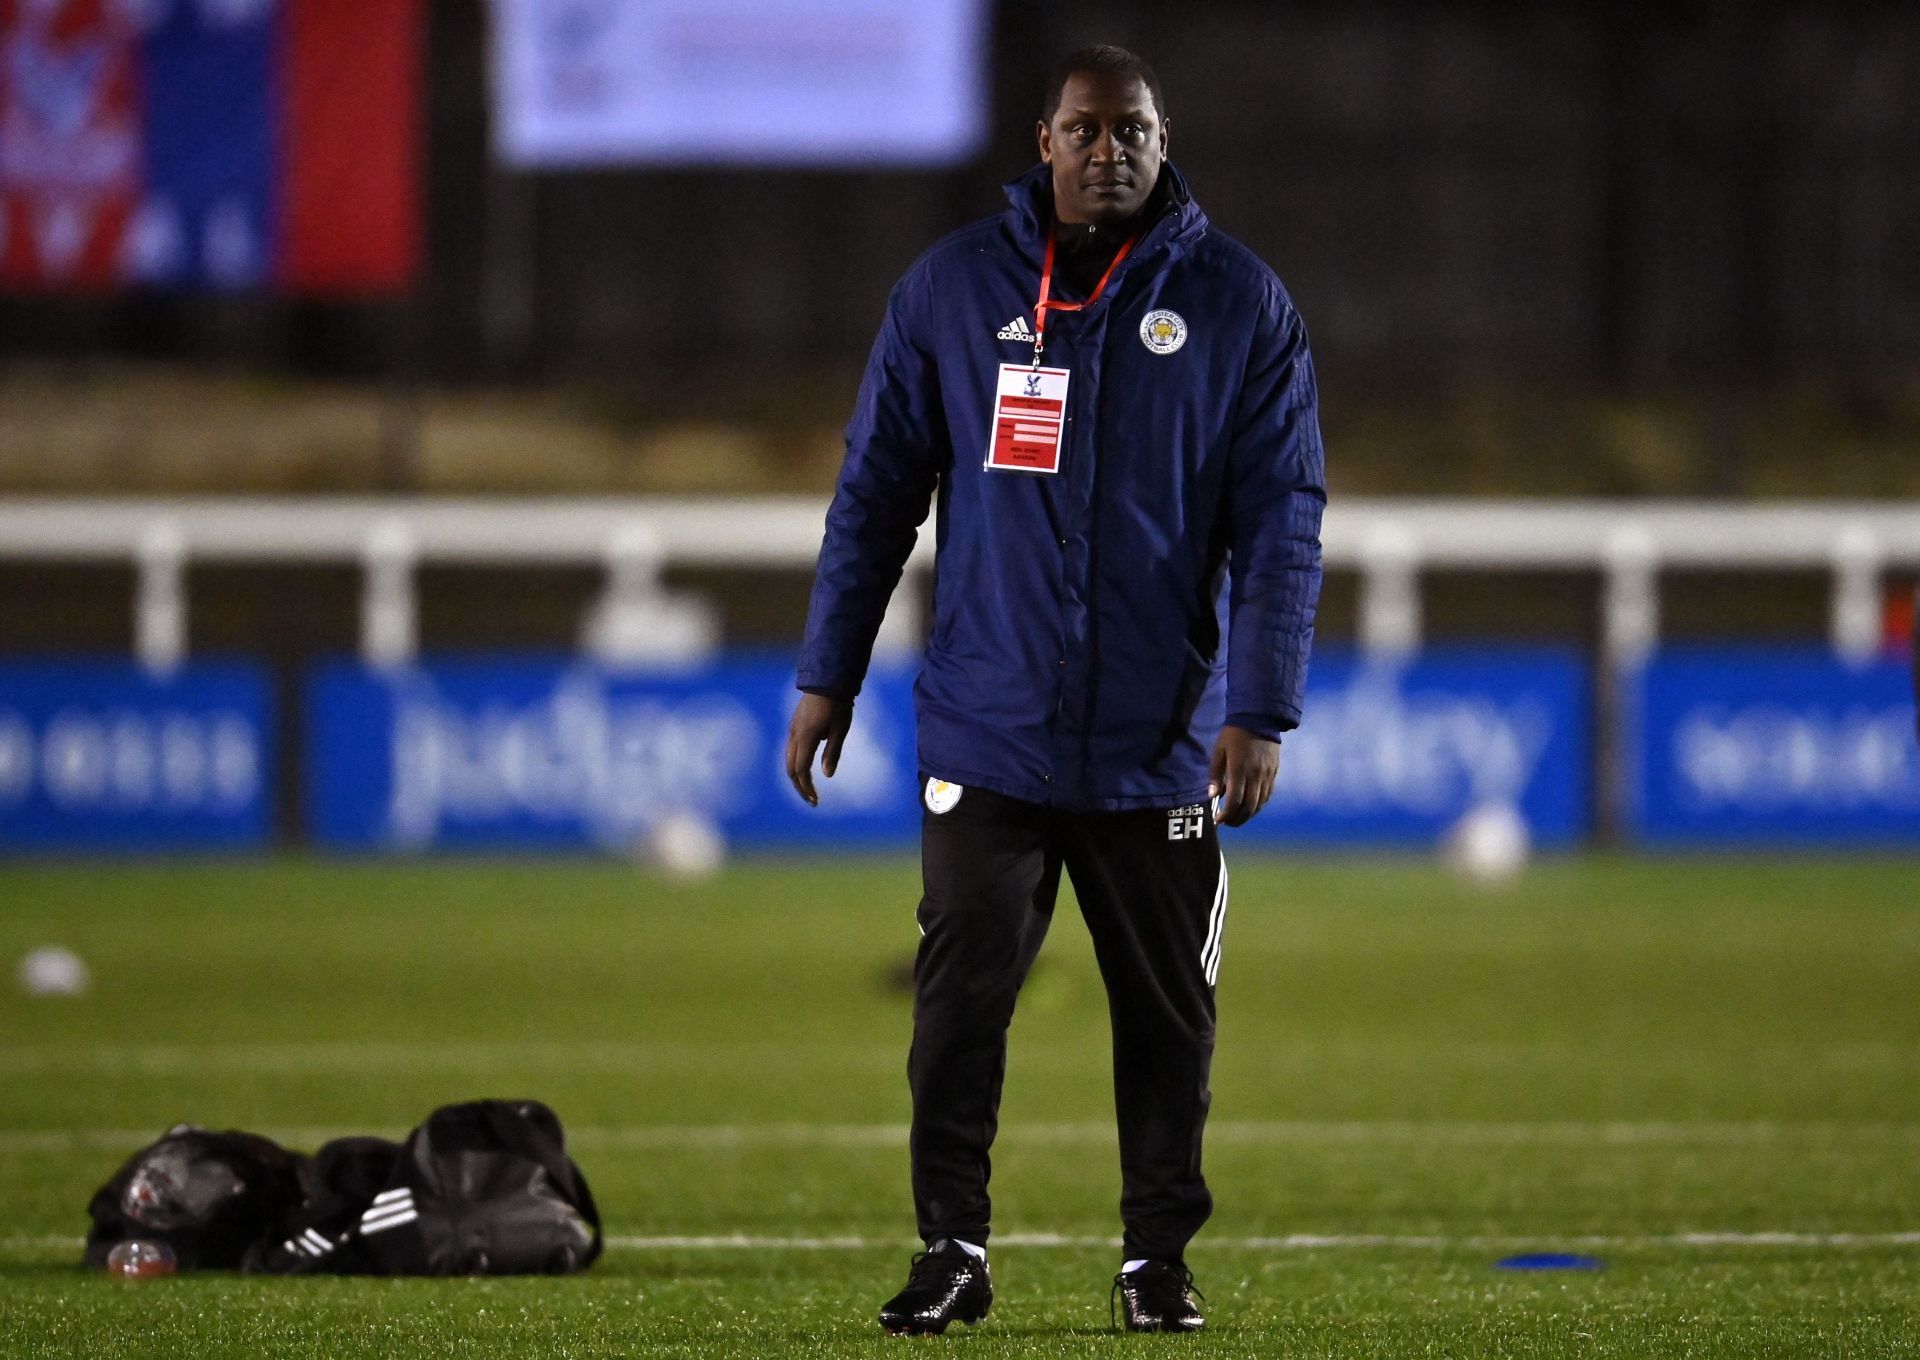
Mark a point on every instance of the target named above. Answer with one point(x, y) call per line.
point(104, 756)
point(548, 754)
point(545, 753)
point(1393, 753)
point(1774, 747)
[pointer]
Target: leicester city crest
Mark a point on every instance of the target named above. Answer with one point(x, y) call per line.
point(1162, 331)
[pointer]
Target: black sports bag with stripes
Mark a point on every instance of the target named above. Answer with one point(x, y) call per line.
point(484, 1188)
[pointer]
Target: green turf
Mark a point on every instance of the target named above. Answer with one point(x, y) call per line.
point(1614, 1050)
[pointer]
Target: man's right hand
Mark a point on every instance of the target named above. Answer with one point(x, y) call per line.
point(817, 719)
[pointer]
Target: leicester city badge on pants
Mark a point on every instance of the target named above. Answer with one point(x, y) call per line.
point(942, 796)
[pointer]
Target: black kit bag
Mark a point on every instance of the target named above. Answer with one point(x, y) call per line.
point(484, 1188)
point(211, 1197)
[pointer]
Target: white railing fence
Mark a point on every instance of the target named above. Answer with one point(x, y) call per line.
point(1390, 542)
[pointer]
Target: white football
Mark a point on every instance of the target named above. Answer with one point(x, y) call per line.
point(1489, 844)
point(686, 846)
point(52, 971)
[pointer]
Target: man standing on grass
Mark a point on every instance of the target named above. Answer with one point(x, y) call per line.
point(1115, 408)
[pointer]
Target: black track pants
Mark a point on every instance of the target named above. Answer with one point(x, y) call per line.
point(1153, 889)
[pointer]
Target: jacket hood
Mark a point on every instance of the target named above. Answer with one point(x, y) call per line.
point(1182, 223)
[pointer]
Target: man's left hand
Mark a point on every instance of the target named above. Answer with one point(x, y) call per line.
point(1244, 768)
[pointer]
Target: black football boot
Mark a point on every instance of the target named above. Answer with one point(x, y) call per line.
point(946, 1284)
point(1159, 1297)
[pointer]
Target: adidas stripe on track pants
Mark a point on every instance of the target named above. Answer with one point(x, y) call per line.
point(1153, 889)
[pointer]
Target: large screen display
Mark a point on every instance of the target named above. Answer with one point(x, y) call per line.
point(787, 82)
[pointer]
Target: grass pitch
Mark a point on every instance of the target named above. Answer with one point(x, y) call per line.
point(1704, 1072)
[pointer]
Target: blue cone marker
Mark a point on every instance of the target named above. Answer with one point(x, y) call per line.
point(1550, 1260)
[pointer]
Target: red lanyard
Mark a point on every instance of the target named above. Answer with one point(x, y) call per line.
point(1044, 305)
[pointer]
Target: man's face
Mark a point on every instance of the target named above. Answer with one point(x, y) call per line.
point(1105, 144)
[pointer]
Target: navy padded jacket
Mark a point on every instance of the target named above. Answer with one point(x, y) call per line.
point(1076, 656)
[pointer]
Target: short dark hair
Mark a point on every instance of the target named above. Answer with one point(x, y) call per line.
point(1104, 60)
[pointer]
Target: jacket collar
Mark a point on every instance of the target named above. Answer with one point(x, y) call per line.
point(1181, 222)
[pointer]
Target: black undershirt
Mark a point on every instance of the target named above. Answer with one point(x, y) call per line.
point(1082, 251)
point(1081, 254)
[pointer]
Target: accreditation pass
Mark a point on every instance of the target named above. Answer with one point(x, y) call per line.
point(1029, 419)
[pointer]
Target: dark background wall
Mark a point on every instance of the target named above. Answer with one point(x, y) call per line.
point(1619, 194)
